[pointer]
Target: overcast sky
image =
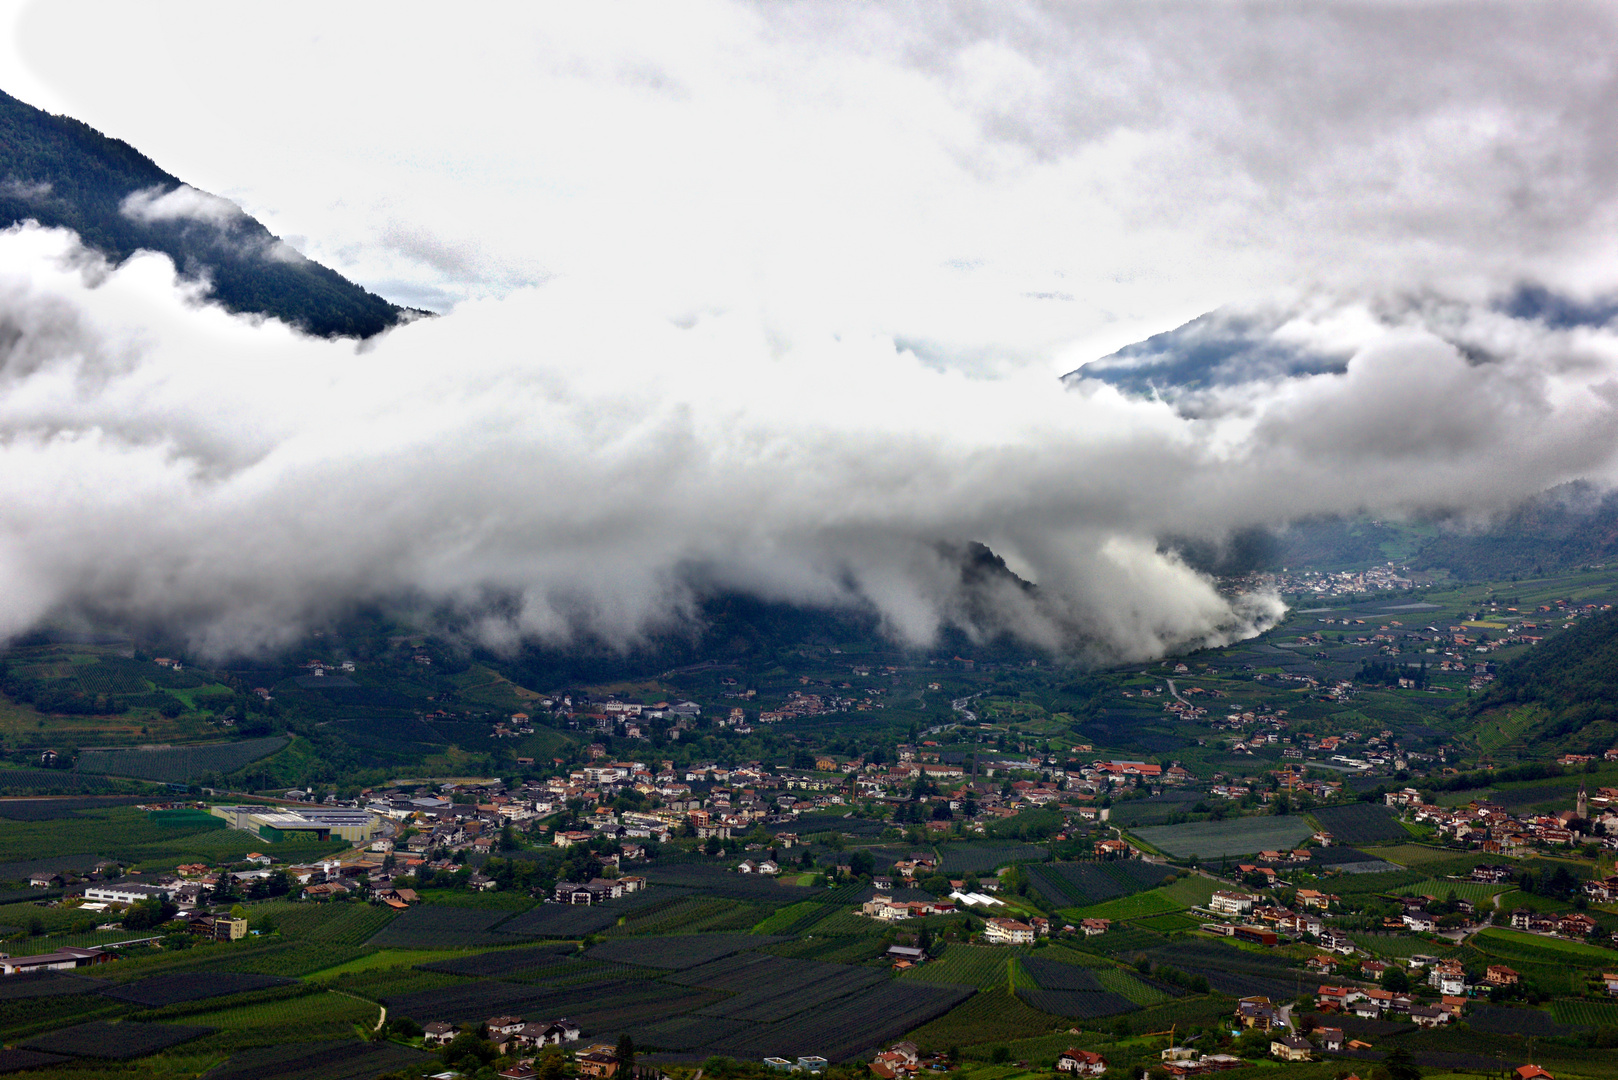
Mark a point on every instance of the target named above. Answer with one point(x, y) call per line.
point(842, 250)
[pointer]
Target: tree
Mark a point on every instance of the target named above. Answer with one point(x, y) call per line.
point(550, 1066)
point(626, 1052)
point(148, 914)
point(1401, 1065)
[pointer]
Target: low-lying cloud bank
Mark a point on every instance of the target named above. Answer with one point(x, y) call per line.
point(593, 463)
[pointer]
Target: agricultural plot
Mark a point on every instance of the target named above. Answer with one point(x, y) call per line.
point(984, 1018)
point(160, 990)
point(337, 924)
point(1229, 970)
point(1077, 1004)
point(1396, 946)
point(1475, 891)
point(472, 1000)
point(832, 950)
point(50, 779)
point(506, 961)
point(559, 920)
point(1573, 1013)
point(986, 858)
point(117, 1042)
point(47, 984)
point(731, 973)
point(1116, 942)
point(1504, 1020)
point(22, 871)
point(617, 1010)
point(296, 959)
point(438, 927)
point(1361, 823)
point(1428, 858)
point(1152, 811)
point(1168, 924)
point(1532, 948)
point(18, 1060)
point(1217, 839)
point(671, 915)
point(57, 809)
point(1139, 906)
point(808, 984)
point(179, 764)
point(678, 952)
point(794, 919)
point(477, 1000)
point(717, 881)
point(1084, 883)
point(850, 1026)
point(1054, 975)
point(111, 678)
point(1140, 991)
point(320, 1061)
point(686, 1032)
point(966, 965)
point(1064, 954)
point(1362, 884)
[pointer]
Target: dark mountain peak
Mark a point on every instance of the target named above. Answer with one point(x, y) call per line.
point(61, 172)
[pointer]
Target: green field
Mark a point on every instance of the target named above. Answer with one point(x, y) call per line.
point(1141, 905)
point(1476, 891)
point(1419, 855)
point(1210, 840)
point(992, 1016)
point(1575, 1013)
point(1397, 946)
point(1498, 941)
point(982, 966)
point(1190, 890)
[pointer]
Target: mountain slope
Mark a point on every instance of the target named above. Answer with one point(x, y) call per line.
point(1574, 678)
point(61, 172)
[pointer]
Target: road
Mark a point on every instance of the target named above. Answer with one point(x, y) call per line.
point(960, 705)
point(1175, 694)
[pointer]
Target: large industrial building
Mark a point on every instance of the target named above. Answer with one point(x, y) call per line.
point(316, 822)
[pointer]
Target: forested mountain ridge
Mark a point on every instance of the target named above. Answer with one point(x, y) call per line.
point(61, 172)
point(1574, 678)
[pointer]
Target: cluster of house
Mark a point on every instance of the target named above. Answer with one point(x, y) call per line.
point(1339, 583)
point(890, 910)
point(1495, 830)
point(1081, 1062)
point(902, 1059)
point(513, 1034)
point(1374, 1003)
point(1266, 920)
point(597, 890)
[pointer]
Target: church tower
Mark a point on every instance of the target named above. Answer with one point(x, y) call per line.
point(1582, 807)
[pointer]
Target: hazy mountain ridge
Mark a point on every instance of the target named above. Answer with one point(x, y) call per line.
point(63, 173)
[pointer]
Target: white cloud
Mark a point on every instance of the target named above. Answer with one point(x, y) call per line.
point(805, 275)
point(848, 159)
point(183, 203)
point(599, 464)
